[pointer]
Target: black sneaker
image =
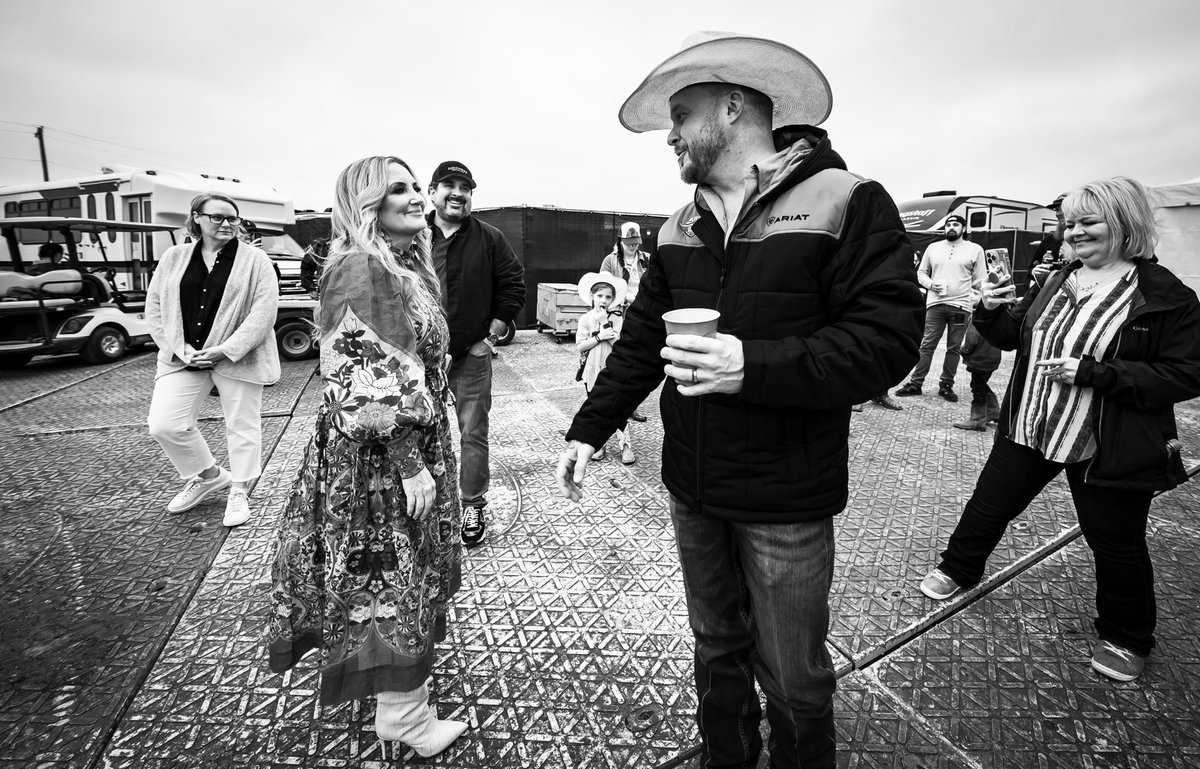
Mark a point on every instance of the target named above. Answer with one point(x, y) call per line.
point(909, 389)
point(947, 392)
point(473, 526)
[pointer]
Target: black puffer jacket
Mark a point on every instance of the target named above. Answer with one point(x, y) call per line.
point(1156, 365)
point(818, 283)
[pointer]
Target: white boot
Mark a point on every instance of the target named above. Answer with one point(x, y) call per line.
point(407, 717)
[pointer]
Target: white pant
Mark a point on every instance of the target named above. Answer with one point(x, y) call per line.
point(174, 409)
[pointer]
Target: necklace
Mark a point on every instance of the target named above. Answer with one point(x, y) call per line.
point(1105, 276)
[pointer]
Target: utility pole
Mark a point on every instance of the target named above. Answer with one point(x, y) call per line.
point(40, 134)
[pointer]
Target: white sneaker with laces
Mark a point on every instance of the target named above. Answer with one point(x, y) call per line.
point(939, 586)
point(237, 509)
point(197, 490)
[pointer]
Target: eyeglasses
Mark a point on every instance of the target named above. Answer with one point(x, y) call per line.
point(217, 219)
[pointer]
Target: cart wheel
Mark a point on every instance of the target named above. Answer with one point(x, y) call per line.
point(295, 341)
point(106, 345)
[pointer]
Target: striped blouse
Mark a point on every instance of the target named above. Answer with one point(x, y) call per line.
point(1054, 417)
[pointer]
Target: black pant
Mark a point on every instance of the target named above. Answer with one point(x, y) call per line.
point(979, 386)
point(1113, 522)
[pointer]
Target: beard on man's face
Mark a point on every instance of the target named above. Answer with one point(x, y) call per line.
point(702, 153)
point(455, 214)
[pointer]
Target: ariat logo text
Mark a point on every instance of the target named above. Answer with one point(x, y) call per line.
point(687, 226)
point(786, 218)
point(1139, 328)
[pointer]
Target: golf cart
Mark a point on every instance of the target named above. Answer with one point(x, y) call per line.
point(77, 308)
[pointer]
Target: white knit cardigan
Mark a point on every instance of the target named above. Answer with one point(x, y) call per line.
point(243, 328)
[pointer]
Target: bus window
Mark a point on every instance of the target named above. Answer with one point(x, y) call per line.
point(110, 213)
point(91, 209)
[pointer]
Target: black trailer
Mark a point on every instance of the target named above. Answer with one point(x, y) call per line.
point(558, 245)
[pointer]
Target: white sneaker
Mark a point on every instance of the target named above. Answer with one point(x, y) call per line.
point(939, 585)
point(197, 490)
point(237, 509)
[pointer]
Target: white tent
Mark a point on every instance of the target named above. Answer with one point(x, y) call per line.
point(1179, 229)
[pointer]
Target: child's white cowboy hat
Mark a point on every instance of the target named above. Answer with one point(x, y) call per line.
point(798, 90)
point(588, 282)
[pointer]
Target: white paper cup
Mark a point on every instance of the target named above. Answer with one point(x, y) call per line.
point(697, 321)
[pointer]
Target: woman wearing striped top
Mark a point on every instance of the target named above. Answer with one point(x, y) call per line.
point(1105, 348)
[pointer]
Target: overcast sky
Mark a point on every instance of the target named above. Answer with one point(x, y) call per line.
point(1015, 98)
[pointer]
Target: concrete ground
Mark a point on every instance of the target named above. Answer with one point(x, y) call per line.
point(133, 638)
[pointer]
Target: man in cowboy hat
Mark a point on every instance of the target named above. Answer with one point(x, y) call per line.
point(950, 270)
point(483, 289)
point(812, 274)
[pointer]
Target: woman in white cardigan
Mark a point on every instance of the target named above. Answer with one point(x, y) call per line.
point(211, 309)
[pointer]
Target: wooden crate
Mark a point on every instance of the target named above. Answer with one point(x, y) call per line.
point(559, 307)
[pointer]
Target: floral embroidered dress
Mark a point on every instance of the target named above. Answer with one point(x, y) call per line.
point(354, 575)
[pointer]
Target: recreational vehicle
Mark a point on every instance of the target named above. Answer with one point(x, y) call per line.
point(1008, 230)
point(131, 196)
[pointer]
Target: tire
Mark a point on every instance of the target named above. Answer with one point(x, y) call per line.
point(507, 337)
point(295, 342)
point(106, 345)
point(15, 360)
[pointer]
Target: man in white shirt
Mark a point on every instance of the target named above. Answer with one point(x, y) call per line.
point(950, 269)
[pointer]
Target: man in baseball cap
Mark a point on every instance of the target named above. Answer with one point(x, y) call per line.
point(812, 274)
point(483, 289)
point(452, 169)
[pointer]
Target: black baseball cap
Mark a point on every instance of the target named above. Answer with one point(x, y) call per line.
point(955, 218)
point(449, 169)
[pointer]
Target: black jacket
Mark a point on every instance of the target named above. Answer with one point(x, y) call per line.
point(484, 280)
point(819, 285)
point(1156, 364)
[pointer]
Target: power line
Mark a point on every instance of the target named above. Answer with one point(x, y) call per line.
point(138, 158)
point(68, 165)
point(127, 146)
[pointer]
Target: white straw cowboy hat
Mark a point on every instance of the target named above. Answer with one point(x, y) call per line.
point(589, 281)
point(798, 90)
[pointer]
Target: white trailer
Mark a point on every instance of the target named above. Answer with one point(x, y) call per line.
point(129, 195)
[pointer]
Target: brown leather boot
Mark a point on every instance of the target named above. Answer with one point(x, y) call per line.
point(978, 418)
point(993, 408)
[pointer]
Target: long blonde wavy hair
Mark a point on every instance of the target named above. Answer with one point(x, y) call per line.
point(360, 191)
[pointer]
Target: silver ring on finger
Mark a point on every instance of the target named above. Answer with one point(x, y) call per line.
point(694, 376)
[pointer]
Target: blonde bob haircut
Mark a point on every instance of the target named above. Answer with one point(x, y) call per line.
point(1125, 207)
point(359, 193)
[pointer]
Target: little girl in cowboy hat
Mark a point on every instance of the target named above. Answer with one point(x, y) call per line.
point(598, 330)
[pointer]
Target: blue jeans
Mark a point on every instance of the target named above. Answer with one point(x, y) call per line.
point(758, 604)
point(1113, 522)
point(941, 318)
point(471, 382)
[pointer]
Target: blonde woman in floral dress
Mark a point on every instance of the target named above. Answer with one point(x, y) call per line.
point(368, 552)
